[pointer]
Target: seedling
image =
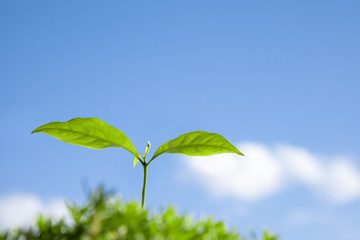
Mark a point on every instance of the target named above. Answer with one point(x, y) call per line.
point(97, 134)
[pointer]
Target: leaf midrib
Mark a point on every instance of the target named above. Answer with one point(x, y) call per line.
point(207, 145)
point(188, 145)
point(69, 130)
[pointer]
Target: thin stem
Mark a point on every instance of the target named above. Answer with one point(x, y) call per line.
point(144, 185)
point(145, 165)
point(142, 162)
point(150, 161)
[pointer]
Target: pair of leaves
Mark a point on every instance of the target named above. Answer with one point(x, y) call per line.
point(97, 134)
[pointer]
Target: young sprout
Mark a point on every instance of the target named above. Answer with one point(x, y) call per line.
point(97, 134)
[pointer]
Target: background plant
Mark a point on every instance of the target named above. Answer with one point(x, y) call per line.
point(105, 217)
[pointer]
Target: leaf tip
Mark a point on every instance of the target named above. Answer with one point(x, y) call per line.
point(239, 152)
point(34, 131)
point(136, 160)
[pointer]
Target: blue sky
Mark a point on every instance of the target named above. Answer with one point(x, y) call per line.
point(280, 79)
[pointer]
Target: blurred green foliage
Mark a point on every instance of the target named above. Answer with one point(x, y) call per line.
point(108, 218)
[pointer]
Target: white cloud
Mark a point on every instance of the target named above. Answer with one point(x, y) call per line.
point(22, 209)
point(344, 181)
point(268, 169)
point(227, 174)
point(300, 163)
point(303, 217)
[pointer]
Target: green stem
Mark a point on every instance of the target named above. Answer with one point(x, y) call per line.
point(144, 185)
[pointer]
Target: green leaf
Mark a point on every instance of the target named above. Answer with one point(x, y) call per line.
point(88, 132)
point(136, 160)
point(147, 149)
point(197, 143)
